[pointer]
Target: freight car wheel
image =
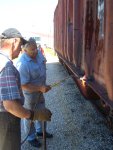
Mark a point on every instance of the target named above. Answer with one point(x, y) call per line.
point(60, 60)
point(104, 108)
point(101, 106)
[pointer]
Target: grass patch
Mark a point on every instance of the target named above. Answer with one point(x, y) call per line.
point(50, 51)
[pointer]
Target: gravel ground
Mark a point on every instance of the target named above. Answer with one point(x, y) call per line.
point(76, 124)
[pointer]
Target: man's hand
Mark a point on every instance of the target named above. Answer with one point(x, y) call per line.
point(42, 114)
point(45, 88)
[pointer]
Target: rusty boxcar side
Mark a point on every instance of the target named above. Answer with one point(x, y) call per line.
point(83, 40)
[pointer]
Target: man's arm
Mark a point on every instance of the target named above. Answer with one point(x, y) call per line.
point(15, 108)
point(34, 88)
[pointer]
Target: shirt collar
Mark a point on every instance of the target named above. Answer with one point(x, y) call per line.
point(5, 59)
point(28, 58)
point(5, 54)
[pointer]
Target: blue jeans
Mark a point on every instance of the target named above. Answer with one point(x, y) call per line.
point(31, 128)
point(33, 101)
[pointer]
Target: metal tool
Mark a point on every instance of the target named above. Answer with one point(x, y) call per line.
point(44, 134)
point(59, 82)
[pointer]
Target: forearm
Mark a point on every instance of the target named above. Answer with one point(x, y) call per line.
point(35, 88)
point(16, 109)
point(31, 88)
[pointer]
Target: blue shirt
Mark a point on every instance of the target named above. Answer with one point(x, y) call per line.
point(32, 71)
point(10, 87)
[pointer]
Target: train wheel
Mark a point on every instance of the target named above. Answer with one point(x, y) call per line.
point(105, 108)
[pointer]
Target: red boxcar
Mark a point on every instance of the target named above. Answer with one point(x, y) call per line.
point(83, 40)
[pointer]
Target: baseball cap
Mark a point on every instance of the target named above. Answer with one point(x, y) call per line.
point(12, 33)
point(32, 40)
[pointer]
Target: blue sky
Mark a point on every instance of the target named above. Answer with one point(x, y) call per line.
point(35, 15)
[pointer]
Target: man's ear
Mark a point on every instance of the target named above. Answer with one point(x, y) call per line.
point(13, 41)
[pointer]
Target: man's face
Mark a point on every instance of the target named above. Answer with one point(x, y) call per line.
point(32, 51)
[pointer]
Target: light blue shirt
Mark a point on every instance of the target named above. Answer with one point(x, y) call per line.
point(31, 71)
